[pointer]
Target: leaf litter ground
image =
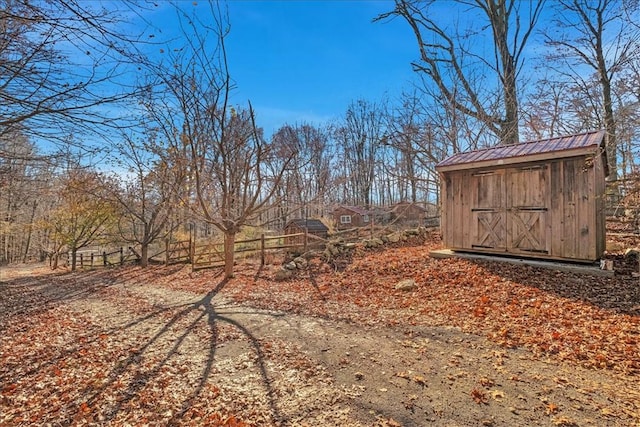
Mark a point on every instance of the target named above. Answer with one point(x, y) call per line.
point(475, 343)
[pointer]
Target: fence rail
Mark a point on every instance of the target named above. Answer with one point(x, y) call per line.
point(210, 255)
point(94, 259)
point(177, 252)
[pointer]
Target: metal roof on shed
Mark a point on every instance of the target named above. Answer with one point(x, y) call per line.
point(564, 146)
point(309, 224)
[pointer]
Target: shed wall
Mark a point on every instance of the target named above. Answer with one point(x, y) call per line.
point(552, 209)
point(294, 228)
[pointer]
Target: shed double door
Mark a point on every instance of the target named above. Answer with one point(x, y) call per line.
point(509, 209)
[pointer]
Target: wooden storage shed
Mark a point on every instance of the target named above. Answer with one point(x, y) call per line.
point(542, 199)
point(313, 227)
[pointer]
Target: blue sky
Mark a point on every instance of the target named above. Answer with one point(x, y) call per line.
point(305, 61)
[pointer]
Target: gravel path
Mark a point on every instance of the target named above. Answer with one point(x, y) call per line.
point(90, 349)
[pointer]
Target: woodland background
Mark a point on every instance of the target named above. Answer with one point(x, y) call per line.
point(103, 143)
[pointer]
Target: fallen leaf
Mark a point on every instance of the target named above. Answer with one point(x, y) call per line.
point(402, 375)
point(420, 380)
point(607, 411)
point(486, 382)
point(497, 394)
point(479, 396)
point(551, 408)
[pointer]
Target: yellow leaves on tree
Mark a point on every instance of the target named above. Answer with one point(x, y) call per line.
point(83, 215)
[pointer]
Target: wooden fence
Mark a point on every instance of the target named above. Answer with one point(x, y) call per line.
point(204, 255)
point(212, 255)
point(94, 259)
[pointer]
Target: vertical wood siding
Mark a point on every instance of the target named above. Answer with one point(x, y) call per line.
point(552, 209)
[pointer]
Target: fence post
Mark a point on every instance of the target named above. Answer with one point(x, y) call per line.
point(192, 244)
point(166, 252)
point(104, 258)
point(371, 219)
point(306, 240)
point(262, 254)
point(121, 256)
point(91, 259)
point(81, 263)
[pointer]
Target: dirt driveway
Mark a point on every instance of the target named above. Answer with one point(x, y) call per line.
point(145, 347)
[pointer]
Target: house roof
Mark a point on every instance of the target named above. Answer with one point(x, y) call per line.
point(560, 147)
point(356, 209)
point(309, 224)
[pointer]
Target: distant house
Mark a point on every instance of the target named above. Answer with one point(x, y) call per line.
point(408, 213)
point(312, 227)
point(351, 216)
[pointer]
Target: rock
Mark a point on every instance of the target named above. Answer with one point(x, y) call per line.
point(411, 232)
point(301, 263)
point(359, 376)
point(282, 275)
point(333, 249)
point(290, 266)
point(406, 285)
point(394, 238)
point(606, 264)
point(372, 243)
point(385, 239)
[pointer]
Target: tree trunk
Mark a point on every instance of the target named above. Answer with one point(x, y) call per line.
point(74, 252)
point(25, 256)
point(609, 122)
point(55, 257)
point(509, 128)
point(229, 243)
point(144, 255)
point(612, 143)
point(499, 18)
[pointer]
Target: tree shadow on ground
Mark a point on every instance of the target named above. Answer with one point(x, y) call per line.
point(25, 295)
point(197, 314)
point(618, 294)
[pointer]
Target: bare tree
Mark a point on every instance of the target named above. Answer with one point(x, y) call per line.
point(627, 101)
point(230, 184)
point(306, 182)
point(60, 61)
point(148, 194)
point(410, 136)
point(545, 109)
point(360, 136)
point(18, 196)
point(481, 86)
point(595, 36)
